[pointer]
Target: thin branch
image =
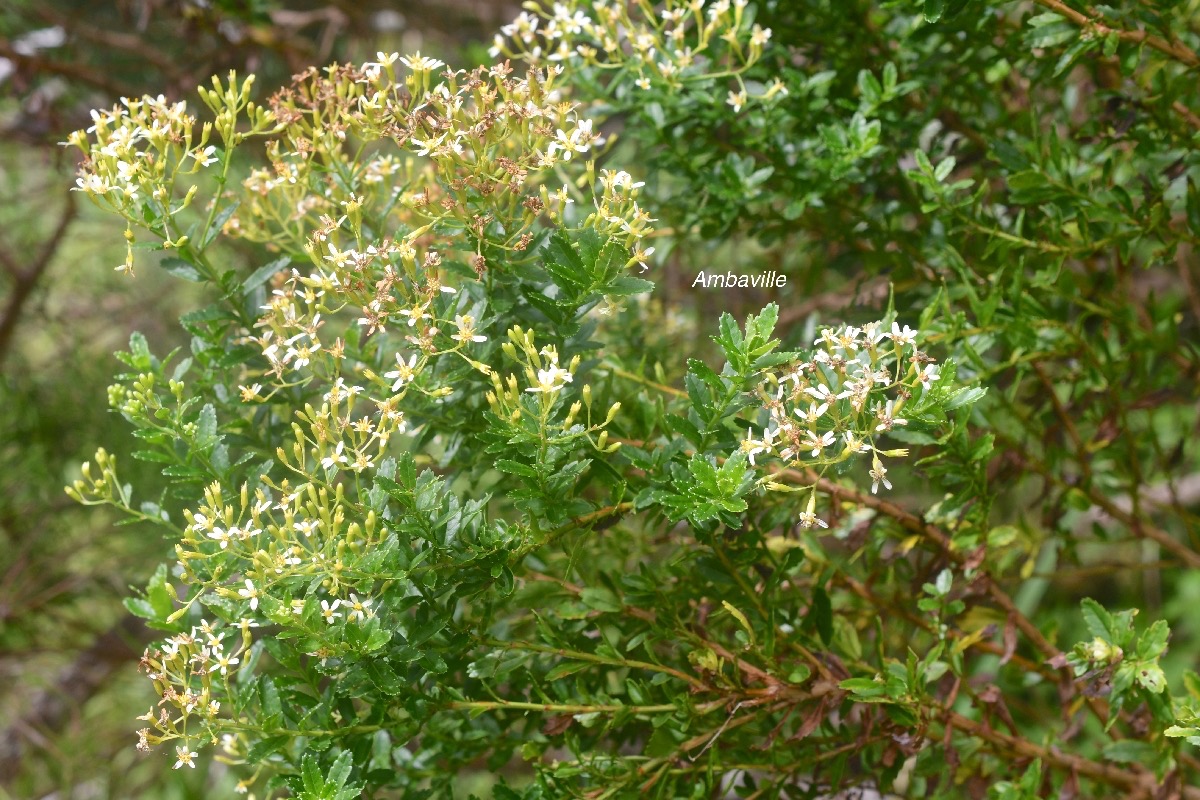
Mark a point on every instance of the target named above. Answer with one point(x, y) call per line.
point(1176, 50)
point(82, 73)
point(1139, 784)
point(25, 279)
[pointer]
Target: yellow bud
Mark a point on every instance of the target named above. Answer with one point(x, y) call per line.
point(612, 413)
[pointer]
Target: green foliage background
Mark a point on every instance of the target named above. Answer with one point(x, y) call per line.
point(1019, 177)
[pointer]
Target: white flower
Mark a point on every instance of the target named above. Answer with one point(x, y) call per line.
point(818, 443)
point(222, 536)
point(205, 156)
point(855, 444)
point(878, 476)
point(336, 457)
point(752, 447)
point(847, 338)
point(928, 375)
point(361, 609)
point(887, 418)
point(330, 612)
point(420, 63)
point(822, 394)
point(808, 519)
point(414, 314)
point(902, 336)
point(250, 593)
point(362, 461)
point(224, 662)
point(814, 413)
point(466, 330)
point(403, 373)
point(737, 100)
point(551, 380)
point(184, 757)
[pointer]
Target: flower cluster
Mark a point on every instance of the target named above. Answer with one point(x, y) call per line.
point(545, 382)
point(678, 42)
point(833, 407)
point(189, 672)
point(141, 157)
point(260, 556)
point(394, 198)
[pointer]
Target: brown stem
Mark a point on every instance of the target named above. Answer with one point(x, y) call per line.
point(25, 279)
point(1140, 527)
point(1139, 784)
point(1176, 50)
point(912, 522)
point(81, 73)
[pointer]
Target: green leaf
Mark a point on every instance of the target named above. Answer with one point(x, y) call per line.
point(1098, 620)
point(339, 771)
point(206, 427)
point(181, 269)
point(965, 397)
point(627, 285)
point(157, 594)
point(264, 273)
point(219, 221)
point(1154, 641)
point(314, 781)
point(864, 687)
point(705, 373)
point(600, 599)
point(566, 668)
point(515, 468)
point(821, 612)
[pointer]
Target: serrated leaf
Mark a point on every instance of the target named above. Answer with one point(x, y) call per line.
point(181, 269)
point(515, 468)
point(1099, 621)
point(206, 427)
point(965, 397)
point(627, 285)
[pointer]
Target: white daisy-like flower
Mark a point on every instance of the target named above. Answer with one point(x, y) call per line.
point(183, 757)
point(250, 593)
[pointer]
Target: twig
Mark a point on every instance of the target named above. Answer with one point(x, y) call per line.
point(1176, 50)
point(77, 72)
point(25, 279)
point(1139, 784)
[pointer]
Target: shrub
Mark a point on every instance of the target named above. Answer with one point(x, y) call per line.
point(441, 504)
